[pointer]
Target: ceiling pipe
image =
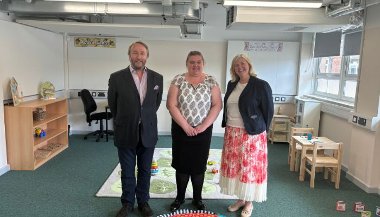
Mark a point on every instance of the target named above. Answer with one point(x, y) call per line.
point(42, 8)
point(195, 4)
point(167, 2)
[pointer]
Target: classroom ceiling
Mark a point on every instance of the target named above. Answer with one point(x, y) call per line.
point(152, 20)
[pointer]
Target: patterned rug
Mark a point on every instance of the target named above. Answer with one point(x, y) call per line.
point(163, 183)
point(191, 213)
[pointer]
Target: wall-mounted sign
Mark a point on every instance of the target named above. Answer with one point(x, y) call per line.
point(263, 46)
point(94, 42)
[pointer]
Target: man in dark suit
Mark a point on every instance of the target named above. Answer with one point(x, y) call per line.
point(134, 96)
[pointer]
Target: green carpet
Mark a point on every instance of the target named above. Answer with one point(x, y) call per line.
point(67, 184)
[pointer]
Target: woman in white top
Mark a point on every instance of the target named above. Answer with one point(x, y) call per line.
point(248, 111)
point(194, 102)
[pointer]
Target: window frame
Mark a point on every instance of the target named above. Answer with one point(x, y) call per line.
point(343, 77)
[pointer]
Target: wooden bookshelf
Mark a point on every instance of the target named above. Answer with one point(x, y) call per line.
point(279, 129)
point(25, 151)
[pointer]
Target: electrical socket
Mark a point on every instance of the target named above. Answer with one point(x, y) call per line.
point(368, 122)
point(362, 121)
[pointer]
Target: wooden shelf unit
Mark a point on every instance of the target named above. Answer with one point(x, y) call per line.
point(279, 129)
point(23, 148)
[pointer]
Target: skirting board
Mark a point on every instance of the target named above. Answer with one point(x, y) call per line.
point(4, 169)
point(362, 185)
point(359, 183)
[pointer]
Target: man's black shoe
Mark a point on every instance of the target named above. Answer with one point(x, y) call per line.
point(145, 209)
point(176, 204)
point(125, 210)
point(199, 204)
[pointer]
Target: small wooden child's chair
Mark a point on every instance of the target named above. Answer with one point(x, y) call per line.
point(331, 161)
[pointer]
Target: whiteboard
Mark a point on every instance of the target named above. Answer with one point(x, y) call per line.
point(275, 62)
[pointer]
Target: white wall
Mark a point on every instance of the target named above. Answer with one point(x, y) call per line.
point(368, 98)
point(30, 55)
point(4, 167)
point(338, 129)
point(90, 67)
point(306, 65)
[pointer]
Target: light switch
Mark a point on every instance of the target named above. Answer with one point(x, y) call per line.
point(354, 119)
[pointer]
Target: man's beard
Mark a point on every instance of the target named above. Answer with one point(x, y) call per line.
point(138, 66)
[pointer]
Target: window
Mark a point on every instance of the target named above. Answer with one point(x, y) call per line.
point(336, 77)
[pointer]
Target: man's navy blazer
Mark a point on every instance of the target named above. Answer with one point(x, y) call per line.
point(127, 111)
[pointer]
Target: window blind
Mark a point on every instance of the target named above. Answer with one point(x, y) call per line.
point(352, 43)
point(327, 44)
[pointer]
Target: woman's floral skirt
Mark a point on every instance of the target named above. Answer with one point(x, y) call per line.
point(243, 169)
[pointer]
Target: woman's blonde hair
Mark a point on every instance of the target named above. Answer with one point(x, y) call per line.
point(251, 71)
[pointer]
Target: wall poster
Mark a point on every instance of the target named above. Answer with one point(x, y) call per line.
point(94, 42)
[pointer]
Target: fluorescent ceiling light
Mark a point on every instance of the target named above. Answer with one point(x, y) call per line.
point(274, 3)
point(103, 1)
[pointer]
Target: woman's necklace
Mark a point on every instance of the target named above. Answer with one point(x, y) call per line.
point(194, 81)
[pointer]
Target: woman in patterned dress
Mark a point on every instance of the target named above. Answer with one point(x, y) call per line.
point(194, 102)
point(248, 111)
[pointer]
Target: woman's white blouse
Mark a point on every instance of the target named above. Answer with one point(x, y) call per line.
point(234, 118)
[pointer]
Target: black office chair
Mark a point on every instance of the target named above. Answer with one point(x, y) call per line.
point(89, 107)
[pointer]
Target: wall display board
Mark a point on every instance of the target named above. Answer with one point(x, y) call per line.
point(275, 62)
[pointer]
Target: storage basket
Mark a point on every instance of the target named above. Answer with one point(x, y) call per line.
point(39, 114)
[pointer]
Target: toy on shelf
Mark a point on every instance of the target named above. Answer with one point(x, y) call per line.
point(39, 132)
point(47, 90)
point(154, 168)
point(39, 114)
